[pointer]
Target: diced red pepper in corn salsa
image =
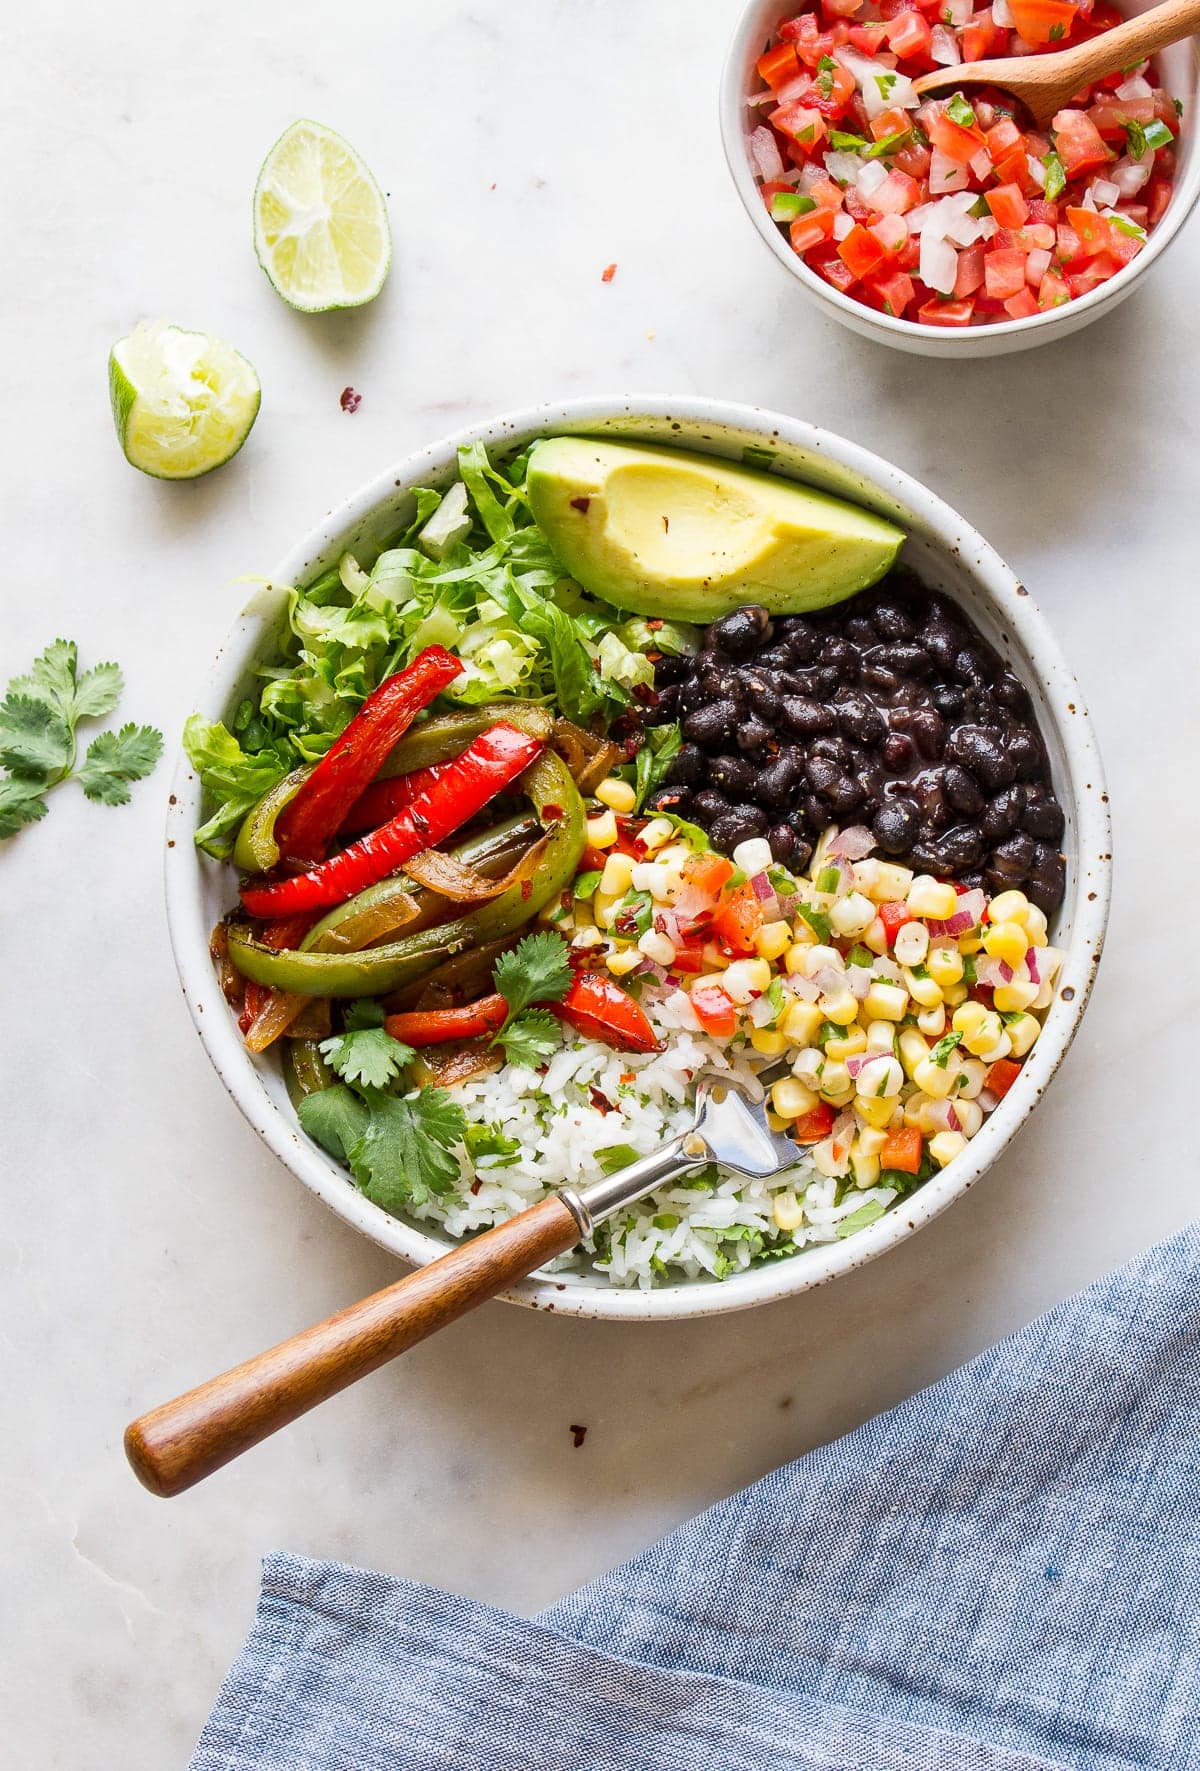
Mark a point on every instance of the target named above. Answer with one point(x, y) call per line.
point(901, 1005)
point(953, 212)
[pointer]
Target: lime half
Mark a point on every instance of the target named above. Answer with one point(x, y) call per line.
point(183, 402)
point(320, 224)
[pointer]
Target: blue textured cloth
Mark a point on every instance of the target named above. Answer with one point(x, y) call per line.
point(1003, 1573)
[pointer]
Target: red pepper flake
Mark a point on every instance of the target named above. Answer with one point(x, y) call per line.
point(476, 1184)
point(581, 504)
point(351, 399)
point(526, 889)
point(600, 1101)
point(629, 1076)
point(654, 621)
point(610, 271)
point(578, 1435)
point(645, 695)
point(552, 812)
point(631, 747)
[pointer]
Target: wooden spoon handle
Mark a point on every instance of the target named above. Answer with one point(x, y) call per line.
point(183, 1441)
point(1135, 39)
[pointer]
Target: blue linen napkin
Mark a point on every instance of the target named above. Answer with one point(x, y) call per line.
point(1002, 1573)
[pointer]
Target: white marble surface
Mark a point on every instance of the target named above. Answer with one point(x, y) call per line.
point(148, 1240)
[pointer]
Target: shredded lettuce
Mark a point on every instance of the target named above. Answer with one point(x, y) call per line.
point(497, 595)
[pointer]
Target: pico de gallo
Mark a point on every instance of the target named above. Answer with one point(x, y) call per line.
point(955, 212)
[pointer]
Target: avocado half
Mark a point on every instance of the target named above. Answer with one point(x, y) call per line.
point(690, 537)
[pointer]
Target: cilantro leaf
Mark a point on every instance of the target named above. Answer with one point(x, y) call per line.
point(940, 1054)
point(116, 758)
point(21, 803)
point(959, 111)
point(35, 740)
point(52, 678)
point(654, 758)
point(335, 1118)
point(364, 1011)
point(817, 921)
point(406, 1153)
point(98, 691)
point(366, 1055)
point(529, 1038)
point(536, 970)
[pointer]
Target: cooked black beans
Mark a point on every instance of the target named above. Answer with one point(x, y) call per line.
point(889, 709)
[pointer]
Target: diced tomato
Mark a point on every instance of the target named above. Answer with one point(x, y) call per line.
point(814, 1125)
point(804, 123)
point(913, 159)
point(1021, 305)
point(1111, 115)
point(1091, 230)
point(1079, 144)
point(1042, 212)
point(1013, 168)
point(901, 1149)
point(688, 960)
point(895, 293)
point(977, 40)
point(1004, 274)
point(861, 251)
point(739, 920)
point(969, 277)
point(708, 873)
point(999, 1079)
point(939, 312)
point(909, 33)
point(889, 123)
point(714, 1009)
point(1002, 137)
point(867, 37)
point(809, 230)
point(825, 194)
point(1095, 272)
point(896, 195)
point(1158, 195)
point(778, 66)
point(1007, 205)
point(835, 271)
point(958, 144)
point(893, 917)
point(1043, 21)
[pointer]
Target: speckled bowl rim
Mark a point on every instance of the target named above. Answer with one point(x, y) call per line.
point(689, 421)
point(754, 23)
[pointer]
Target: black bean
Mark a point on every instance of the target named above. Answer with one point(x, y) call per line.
point(1003, 813)
point(711, 725)
point(782, 839)
point(972, 668)
point(836, 749)
point(1010, 861)
point(743, 630)
point(972, 880)
point(733, 776)
point(860, 633)
point(905, 657)
point(929, 730)
point(815, 811)
point(775, 784)
point(1043, 816)
point(737, 826)
point(800, 637)
point(860, 719)
point(803, 717)
point(1011, 693)
point(672, 670)
point(721, 680)
point(942, 643)
point(962, 790)
point(845, 794)
point(1047, 879)
point(827, 680)
point(949, 699)
point(665, 704)
point(879, 678)
point(763, 696)
point(708, 803)
point(821, 773)
point(1026, 754)
point(670, 799)
point(925, 856)
point(895, 827)
point(898, 751)
point(891, 621)
point(979, 749)
point(776, 657)
point(960, 847)
point(753, 733)
point(692, 695)
point(688, 767)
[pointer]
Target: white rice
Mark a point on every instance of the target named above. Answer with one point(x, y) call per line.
point(560, 1125)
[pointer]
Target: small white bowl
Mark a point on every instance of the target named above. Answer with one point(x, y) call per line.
point(948, 554)
point(1181, 72)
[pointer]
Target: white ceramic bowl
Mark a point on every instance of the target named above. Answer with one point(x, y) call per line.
point(1181, 72)
point(941, 546)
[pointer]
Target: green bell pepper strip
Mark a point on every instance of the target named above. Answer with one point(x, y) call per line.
point(305, 1071)
point(376, 970)
point(256, 850)
point(446, 735)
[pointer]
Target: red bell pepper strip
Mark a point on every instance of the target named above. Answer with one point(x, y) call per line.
point(435, 1026)
point(901, 1149)
point(814, 1125)
point(600, 1009)
point(1001, 1076)
point(306, 824)
point(464, 787)
point(383, 799)
point(893, 917)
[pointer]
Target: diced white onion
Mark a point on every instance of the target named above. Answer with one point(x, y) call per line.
point(842, 224)
point(882, 88)
point(1135, 87)
point(1105, 192)
point(939, 264)
point(764, 151)
point(842, 166)
point(891, 231)
point(943, 47)
point(946, 174)
point(981, 165)
point(1002, 15)
point(1037, 171)
point(1130, 176)
point(1036, 265)
point(873, 174)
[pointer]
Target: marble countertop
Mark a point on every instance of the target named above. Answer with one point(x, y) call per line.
point(148, 1238)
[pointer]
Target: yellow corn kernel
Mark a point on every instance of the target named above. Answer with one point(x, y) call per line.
point(657, 834)
point(890, 883)
point(587, 935)
point(924, 992)
point(618, 875)
point(840, 1097)
point(1035, 926)
point(772, 939)
point(790, 1098)
point(912, 943)
point(932, 1021)
point(969, 1115)
point(768, 1041)
point(774, 1122)
point(657, 946)
point(885, 1002)
point(841, 1009)
point(954, 994)
point(881, 1037)
point(969, 1018)
point(970, 943)
point(913, 1050)
point(617, 794)
point(852, 1041)
point(971, 1075)
point(985, 1036)
point(1012, 998)
point(623, 960)
point(933, 1080)
point(916, 1111)
point(747, 978)
point(834, 1079)
point(875, 937)
point(1006, 941)
point(822, 958)
point(602, 830)
point(787, 1211)
point(945, 1146)
point(852, 914)
point(1009, 907)
point(866, 1170)
point(801, 1022)
point(869, 1142)
point(825, 1162)
point(931, 897)
point(1022, 1034)
point(604, 908)
point(944, 965)
point(713, 957)
point(796, 961)
point(1001, 1049)
point(876, 1110)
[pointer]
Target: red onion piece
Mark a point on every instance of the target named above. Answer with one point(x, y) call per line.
point(806, 989)
point(987, 1101)
point(854, 844)
point(952, 1119)
point(1031, 963)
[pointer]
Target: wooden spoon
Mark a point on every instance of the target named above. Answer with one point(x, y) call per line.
point(1045, 83)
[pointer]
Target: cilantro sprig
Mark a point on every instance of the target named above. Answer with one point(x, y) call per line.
point(39, 719)
point(364, 1052)
point(536, 970)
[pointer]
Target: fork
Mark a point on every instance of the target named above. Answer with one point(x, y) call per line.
point(180, 1442)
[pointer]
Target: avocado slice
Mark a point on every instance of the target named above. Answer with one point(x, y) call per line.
point(668, 533)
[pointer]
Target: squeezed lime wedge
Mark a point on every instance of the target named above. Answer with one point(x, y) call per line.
point(320, 222)
point(183, 402)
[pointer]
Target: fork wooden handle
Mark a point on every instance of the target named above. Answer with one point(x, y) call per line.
point(181, 1442)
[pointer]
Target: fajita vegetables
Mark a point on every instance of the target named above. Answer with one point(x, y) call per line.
point(494, 959)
